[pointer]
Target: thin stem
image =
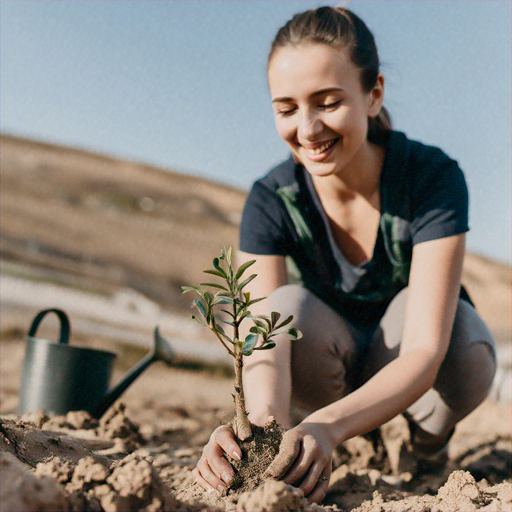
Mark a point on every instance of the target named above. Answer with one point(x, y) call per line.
point(214, 329)
point(243, 427)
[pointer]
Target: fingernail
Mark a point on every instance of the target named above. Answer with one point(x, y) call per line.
point(236, 456)
point(226, 477)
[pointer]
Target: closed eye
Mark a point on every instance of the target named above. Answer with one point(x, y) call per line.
point(330, 106)
point(286, 111)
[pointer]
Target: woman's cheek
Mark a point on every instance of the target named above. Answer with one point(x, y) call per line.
point(285, 129)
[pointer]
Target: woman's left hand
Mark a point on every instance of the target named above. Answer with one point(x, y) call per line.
point(305, 460)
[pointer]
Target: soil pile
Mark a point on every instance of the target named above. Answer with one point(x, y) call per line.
point(76, 463)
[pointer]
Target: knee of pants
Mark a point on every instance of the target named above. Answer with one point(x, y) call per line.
point(465, 377)
point(321, 357)
point(289, 300)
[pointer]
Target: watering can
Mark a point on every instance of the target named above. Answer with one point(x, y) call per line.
point(59, 377)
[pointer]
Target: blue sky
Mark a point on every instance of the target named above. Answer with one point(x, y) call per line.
point(181, 84)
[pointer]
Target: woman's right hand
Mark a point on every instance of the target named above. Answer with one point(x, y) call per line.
point(213, 471)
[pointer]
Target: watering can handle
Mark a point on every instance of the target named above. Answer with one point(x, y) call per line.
point(64, 324)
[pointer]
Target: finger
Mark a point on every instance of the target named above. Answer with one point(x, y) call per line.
point(225, 438)
point(201, 481)
point(322, 486)
point(318, 493)
point(219, 465)
point(312, 478)
point(214, 453)
point(288, 451)
point(298, 469)
point(210, 477)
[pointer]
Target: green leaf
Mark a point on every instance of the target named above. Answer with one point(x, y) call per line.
point(251, 302)
point(295, 333)
point(215, 285)
point(228, 254)
point(250, 343)
point(186, 289)
point(214, 273)
point(274, 317)
point(243, 268)
point(268, 346)
point(221, 298)
point(200, 306)
point(263, 318)
point(208, 297)
point(285, 322)
point(216, 264)
point(246, 282)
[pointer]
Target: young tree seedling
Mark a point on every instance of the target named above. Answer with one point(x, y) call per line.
point(237, 304)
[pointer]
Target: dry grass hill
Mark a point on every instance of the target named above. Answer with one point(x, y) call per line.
point(102, 223)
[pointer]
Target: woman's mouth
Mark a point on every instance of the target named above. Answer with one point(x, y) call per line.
point(321, 152)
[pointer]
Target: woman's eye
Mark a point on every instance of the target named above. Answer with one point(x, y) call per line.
point(330, 106)
point(285, 111)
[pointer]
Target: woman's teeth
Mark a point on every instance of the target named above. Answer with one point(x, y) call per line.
point(321, 149)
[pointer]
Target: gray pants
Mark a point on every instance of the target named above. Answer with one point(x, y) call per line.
point(326, 365)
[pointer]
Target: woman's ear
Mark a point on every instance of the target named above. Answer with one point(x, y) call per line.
point(376, 97)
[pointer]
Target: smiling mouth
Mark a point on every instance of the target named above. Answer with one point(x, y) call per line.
point(321, 149)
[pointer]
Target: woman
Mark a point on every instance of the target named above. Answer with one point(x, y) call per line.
point(360, 235)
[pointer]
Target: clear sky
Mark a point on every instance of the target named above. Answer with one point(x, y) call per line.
point(181, 84)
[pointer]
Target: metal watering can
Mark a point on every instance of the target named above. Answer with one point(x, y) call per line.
point(59, 377)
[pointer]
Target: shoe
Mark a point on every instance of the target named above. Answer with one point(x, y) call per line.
point(423, 458)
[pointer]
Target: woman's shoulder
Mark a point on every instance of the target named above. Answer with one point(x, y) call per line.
point(418, 154)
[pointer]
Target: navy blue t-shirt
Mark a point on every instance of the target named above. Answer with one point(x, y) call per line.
point(423, 197)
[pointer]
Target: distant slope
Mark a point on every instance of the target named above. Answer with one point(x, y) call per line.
point(120, 223)
point(116, 222)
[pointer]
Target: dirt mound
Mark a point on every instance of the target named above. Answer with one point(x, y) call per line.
point(76, 463)
point(257, 453)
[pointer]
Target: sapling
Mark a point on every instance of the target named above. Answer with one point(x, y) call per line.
point(236, 304)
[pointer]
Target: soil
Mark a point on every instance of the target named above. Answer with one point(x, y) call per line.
point(76, 463)
point(257, 453)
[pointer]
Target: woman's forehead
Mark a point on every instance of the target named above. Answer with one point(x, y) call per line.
point(310, 67)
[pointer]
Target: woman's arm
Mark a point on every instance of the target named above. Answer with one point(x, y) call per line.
point(267, 375)
point(434, 286)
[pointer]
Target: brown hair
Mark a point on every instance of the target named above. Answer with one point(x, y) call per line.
point(340, 28)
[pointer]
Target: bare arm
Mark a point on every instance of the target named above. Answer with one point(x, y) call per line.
point(267, 376)
point(432, 301)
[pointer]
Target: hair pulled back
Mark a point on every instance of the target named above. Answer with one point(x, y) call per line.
point(341, 29)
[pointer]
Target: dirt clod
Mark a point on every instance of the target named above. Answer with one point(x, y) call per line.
point(257, 453)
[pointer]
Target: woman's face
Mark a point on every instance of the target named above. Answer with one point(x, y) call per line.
point(321, 110)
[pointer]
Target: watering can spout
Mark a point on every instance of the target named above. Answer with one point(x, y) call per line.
point(162, 351)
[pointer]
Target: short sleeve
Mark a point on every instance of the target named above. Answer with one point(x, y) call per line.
point(263, 228)
point(440, 202)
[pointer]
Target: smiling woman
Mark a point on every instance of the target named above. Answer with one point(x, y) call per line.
point(360, 235)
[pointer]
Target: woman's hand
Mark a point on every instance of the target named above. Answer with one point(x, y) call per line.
point(213, 471)
point(305, 460)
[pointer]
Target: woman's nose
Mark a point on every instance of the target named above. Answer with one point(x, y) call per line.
point(309, 125)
